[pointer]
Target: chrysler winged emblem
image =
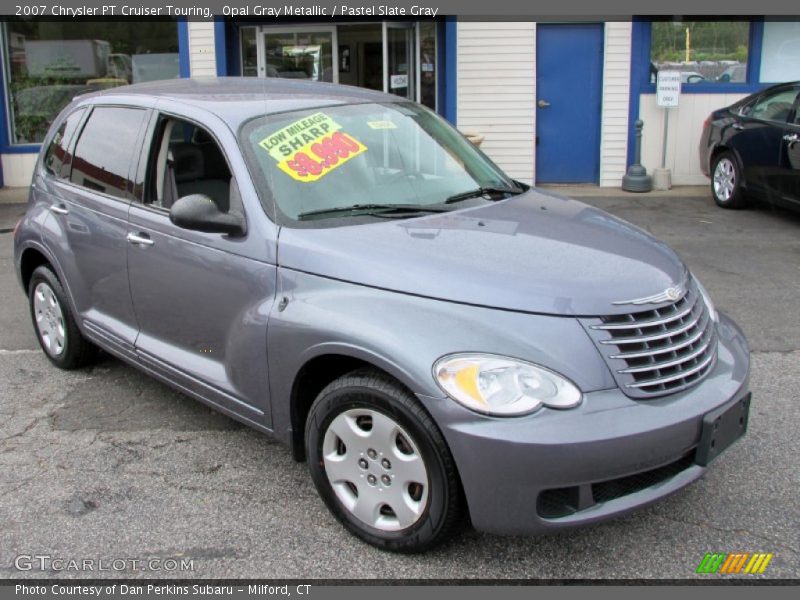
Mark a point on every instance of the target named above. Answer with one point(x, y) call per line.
point(671, 294)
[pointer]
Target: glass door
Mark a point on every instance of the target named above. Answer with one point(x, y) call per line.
point(399, 59)
point(299, 53)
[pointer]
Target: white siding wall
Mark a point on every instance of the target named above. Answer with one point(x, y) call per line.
point(496, 76)
point(685, 127)
point(18, 169)
point(616, 100)
point(202, 55)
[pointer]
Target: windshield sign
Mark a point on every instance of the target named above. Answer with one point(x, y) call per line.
point(353, 160)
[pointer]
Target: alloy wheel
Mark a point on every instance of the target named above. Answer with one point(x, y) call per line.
point(724, 179)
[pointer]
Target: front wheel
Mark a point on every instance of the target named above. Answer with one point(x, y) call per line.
point(726, 182)
point(381, 464)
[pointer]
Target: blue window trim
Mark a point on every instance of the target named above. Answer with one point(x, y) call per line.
point(641, 37)
point(220, 46)
point(449, 109)
point(183, 48)
point(6, 147)
point(234, 65)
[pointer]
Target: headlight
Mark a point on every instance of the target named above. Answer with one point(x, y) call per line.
point(501, 386)
point(707, 299)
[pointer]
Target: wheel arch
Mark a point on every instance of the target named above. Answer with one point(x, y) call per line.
point(30, 259)
point(317, 372)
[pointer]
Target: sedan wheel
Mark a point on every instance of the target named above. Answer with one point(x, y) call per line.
point(381, 465)
point(726, 182)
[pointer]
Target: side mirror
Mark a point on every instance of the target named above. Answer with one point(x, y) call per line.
point(198, 212)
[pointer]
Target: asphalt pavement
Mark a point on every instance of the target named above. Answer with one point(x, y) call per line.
point(105, 463)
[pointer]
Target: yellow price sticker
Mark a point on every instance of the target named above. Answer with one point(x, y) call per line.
point(381, 125)
point(312, 147)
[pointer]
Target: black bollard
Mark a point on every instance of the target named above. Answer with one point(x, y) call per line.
point(637, 179)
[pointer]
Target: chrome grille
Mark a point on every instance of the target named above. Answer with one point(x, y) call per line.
point(658, 351)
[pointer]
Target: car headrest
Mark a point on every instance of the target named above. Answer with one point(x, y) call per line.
point(187, 162)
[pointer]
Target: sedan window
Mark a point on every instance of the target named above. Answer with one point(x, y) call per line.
point(774, 107)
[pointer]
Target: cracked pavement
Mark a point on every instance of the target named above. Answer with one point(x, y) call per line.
point(107, 463)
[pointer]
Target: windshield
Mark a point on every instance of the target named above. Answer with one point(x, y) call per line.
point(353, 160)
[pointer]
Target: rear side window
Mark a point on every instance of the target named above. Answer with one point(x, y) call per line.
point(57, 157)
point(105, 150)
point(775, 106)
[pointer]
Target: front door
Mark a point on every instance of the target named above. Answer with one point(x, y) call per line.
point(400, 59)
point(758, 141)
point(202, 300)
point(790, 157)
point(569, 78)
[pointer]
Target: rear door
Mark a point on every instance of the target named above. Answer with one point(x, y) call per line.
point(202, 300)
point(88, 224)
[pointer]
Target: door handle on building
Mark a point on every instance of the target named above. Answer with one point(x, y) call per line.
point(542, 104)
point(141, 239)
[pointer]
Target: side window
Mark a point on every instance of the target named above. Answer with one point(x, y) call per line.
point(57, 158)
point(774, 107)
point(184, 160)
point(105, 149)
point(796, 120)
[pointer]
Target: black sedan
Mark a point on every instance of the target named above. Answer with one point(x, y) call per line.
point(752, 148)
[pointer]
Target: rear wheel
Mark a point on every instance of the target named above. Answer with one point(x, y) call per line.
point(726, 182)
point(56, 330)
point(381, 464)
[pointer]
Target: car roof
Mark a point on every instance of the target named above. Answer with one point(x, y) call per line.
point(238, 99)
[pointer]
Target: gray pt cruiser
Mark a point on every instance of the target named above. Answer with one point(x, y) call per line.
point(342, 270)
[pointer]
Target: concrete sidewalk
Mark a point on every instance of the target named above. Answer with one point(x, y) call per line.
point(16, 195)
point(593, 191)
point(13, 195)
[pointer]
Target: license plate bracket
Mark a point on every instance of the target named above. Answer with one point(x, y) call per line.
point(721, 428)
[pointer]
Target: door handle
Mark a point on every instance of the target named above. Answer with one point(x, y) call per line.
point(59, 209)
point(542, 104)
point(792, 138)
point(737, 126)
point(141, 239)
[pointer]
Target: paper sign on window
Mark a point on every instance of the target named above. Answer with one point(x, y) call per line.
point(312, 147)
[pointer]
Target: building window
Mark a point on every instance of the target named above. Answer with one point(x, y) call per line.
point(48, 63)
point(780, 52)
point(703, 51)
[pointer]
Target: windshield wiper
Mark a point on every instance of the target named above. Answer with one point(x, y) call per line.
point(376, 209)
point(481, 191)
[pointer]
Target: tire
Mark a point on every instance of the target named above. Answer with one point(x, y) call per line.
point(55, 327)
point(726, 181)
point(358, 422)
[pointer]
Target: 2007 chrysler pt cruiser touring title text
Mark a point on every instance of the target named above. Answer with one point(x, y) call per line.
point(342, 270)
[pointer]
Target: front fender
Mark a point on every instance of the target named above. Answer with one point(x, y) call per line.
point(404, 335)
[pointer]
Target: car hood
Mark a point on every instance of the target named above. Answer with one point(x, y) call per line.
point(536, 252)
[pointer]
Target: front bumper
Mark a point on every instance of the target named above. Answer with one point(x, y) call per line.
point(516, 471)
